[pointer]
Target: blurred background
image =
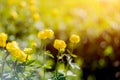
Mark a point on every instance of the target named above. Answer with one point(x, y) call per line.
point(97, 22)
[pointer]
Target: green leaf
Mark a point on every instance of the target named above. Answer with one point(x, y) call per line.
point(30, 62)
point(73, 65)
point(59, 76)
point(47, 67)
point(108, 51)
point(71, 54)
point(20, 69)
point(70, 73)
point(49, 54)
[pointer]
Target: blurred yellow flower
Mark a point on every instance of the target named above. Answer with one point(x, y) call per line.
point(59, 44)
point(3, 38)
point(36, 16)
point(33, 8)
point(10, 2)
point(14, 14)
point(28, 50)
point(31, 2)
point(47, 33)
point(41, 35)
point(15, 51)
point(55, 12)
point(23, 4)
point(33, 44)
point(74, 38)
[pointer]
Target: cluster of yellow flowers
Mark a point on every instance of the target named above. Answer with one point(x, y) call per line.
point(61, 45)
point(33, 9)
point(58, 44)
point(47, 33)
point(14, 49)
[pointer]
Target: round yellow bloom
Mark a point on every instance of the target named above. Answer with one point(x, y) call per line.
point(41, 35)
point(74, 38)
point(59, 44)
point(15, 51)
point(47, 33)
point(3, 38)
point(28, 50)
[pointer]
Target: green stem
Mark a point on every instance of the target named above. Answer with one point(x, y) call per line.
point(44, 49)
point(3, 65)
point(44, 67)
point(14, 65)
point(66, 69)
point(56, 70)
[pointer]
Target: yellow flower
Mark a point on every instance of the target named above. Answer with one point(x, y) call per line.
point(23, 4)
point(11, 2)
point(14, 14)
point(33, 44)
point(3, 38)
point(15, 51)
point(33, 8)
point(59, 44)
point(74, 38)
point(32, 2)
point(28, 50)
point(47, 33)
point(55, 12)
point(36, 16)
point(41, 35)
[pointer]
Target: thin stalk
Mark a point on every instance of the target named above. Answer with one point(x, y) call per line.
point(67, 66)
point(44, 49)
point(3, 65)
point(56, 71)
point(14, 65)
point(13, 68)
point(44, 67)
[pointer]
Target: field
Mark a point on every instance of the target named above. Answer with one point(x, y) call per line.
point(59, 40)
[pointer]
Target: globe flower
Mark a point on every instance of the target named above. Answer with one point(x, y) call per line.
point(41, 35)
point(15, 51)
point(3, 38)
point(47, 33)
point(74, 38)
point(59, 44)
point(28, 50)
